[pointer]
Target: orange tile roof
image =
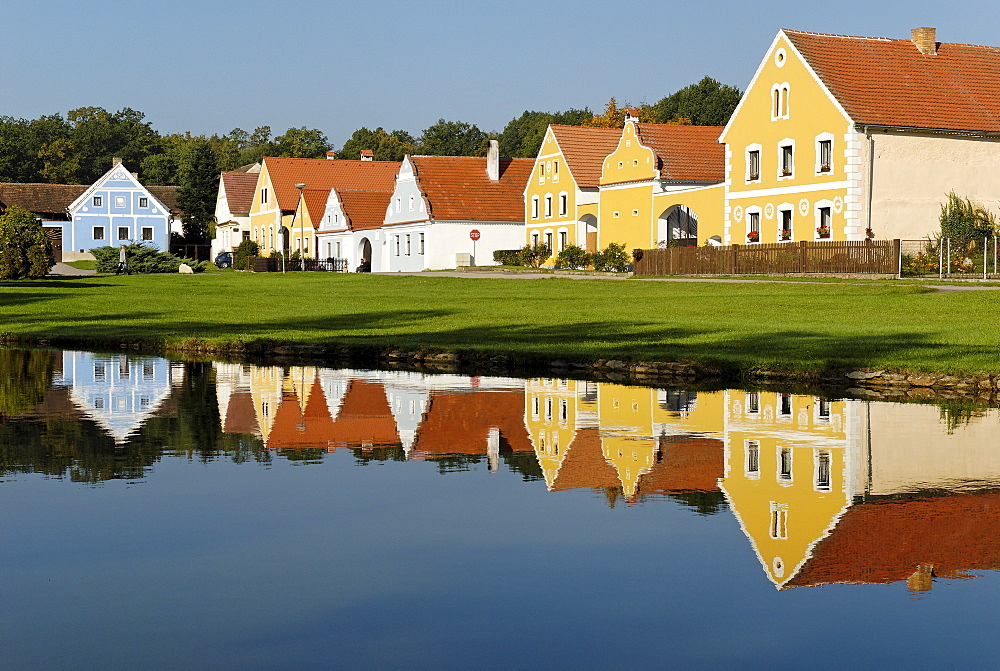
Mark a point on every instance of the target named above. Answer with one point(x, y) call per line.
point(460, 423)
point(322, 173)
point(886, 542)
point(239, 188)
point(315, 204)
point(240, 414)
point(882, 81)
point(686, 153)
point(585, 149)
point(364, 210)
point(296, 428)
point(458, 188)
point(365, 418)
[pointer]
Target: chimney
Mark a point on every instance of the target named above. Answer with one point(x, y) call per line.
point(367, 155)
point(493, 161)
point(330, 155)
point(115, 161)
point(632, 113)
point(925, 39)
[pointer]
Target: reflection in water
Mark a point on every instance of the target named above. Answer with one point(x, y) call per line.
point(826, 491)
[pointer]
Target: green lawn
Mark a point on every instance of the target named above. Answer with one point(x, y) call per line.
point(800, 326)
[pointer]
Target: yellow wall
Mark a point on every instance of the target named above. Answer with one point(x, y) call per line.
point(301, 225)
point(265, 219)
point(810, 112)
point(551, 178)
point(550, 415)
point(706, 202)
point(626, 196)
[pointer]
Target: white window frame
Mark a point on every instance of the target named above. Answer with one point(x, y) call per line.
point(787, 143)
point(818, 208)
point(420, 241)
point(790, 208)
point(817, 460)
point(534, 207)
point(147, 233)
point(779, 101)
point(748, 176)
point(753, 213)
point(127, 232)
point(751, 447)
point(820, 139)
point(263, 196)
point(94, 233)
point(780, 474)
point(548, 206)
point(412, 202)
point(143, 201)
point(563, 203)
point(98, 201)
point(541, 172)
point(563, 238)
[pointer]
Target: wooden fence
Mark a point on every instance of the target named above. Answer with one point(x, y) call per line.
point(861, 257)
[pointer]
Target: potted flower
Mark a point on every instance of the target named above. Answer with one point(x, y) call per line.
point(754, 176)
point(870, 234)
point(786, 234)
point(753, 236)
point(825, 167)
point(823, 231)
point(786, 172)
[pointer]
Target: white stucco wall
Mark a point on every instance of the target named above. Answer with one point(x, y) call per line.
point(914, 173)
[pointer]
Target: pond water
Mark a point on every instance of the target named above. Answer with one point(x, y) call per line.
point(172, 514)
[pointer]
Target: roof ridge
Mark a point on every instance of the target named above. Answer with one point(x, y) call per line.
point(883, 39)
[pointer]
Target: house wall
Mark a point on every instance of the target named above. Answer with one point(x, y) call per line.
point(806, 115)
point(114, 207)
point(551, 179)
point(444, 241)
point(706, 202)
point(266, 220)
point(914, 173)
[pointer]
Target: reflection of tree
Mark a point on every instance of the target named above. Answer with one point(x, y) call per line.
point(25, 377)
point(957, 413)
point(61, 443)
point(363, 457)
point(525, 463)
point(702, 502)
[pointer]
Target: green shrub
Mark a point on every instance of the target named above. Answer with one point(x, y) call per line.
point(142, 259)
point(966, 221)
point(245, 254)
point(508, 257)
point(25, 250)
point(612, 258)
point(535, 255)
point(573, 258)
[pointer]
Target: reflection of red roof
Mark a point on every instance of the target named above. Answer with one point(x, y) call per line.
point(460, 423)
point(365, 418)
point(295, 429)
point(240, 414)
point(686, 153)
point(584, 464)
point(239, 187)
point(685, 464)
point(322, 173)
point(882, 81)
point(458, 188)
point(886, 542)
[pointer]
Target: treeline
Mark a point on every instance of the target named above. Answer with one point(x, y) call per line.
point(78, 148)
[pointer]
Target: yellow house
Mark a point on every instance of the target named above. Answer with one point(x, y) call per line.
point(560, 198)
point(844, 138)
point(276, 197)
point(792, 464)
point(663, 184)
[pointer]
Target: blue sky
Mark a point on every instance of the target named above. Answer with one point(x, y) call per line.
point(212, 65)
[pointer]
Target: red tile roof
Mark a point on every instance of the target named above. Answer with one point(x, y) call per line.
point(882, 81)
point(315, 204)
point(685, 464)
point(240, 414)
point(322, 173)
point(886, 542)
point(686, 153)
point(297, 428)
point(584, 464)
point(365, 418)
point(458, 188)
point(584, 150)
point(364, 210)
point(239, 187)
point(460, 423)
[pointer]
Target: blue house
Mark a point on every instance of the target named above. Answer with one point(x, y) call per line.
point(116, 210)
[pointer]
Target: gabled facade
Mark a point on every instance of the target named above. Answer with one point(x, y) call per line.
point(232, 208)
point(276, 198)
point(561, 195)
point(439, 200)
point(843, 138)
point(116, 210)
point(350, 227)
point(663, 183)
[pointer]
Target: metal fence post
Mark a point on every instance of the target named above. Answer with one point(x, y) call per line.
point(949, 258)
point(941, 259)
point(898, 245)
point(985, 266)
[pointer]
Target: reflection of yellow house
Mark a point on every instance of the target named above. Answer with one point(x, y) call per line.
point(791, 469)
point(560, 198)
point(554, 411)
point(662, 184)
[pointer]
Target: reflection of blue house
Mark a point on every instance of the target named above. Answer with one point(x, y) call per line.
point(117, 210)
point(118, 392)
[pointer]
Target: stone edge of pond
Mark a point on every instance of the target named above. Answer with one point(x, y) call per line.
point(872, 384)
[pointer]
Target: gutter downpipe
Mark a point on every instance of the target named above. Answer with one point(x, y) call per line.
point(871, 192)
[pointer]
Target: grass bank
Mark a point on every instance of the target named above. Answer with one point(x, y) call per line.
point(746, 327)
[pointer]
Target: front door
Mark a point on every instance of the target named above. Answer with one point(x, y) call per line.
point(55, 237)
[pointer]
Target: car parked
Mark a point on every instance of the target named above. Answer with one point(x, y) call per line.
point(224, 260)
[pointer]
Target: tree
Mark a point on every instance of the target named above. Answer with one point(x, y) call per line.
point(199, 185)
point(707, 103)
point(25, 250)
point(99, 136)
point(387, 146)
point(614, 116)
point(453, 138)
point(522, 137)
point(302, 143)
